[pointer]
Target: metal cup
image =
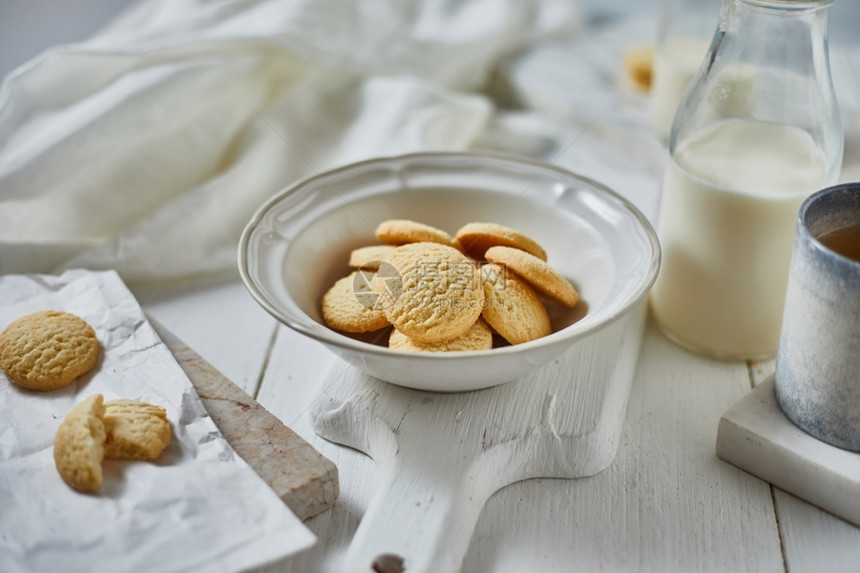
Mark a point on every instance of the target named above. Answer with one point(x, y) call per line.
point(818, 362)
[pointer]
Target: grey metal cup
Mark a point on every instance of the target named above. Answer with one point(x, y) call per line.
point(818, 362)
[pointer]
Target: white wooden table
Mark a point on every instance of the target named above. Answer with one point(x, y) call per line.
point(666, 503)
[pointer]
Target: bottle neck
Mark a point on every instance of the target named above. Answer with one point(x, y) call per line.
point(778, 34)
point(788, 4)
point(777, 22)
point(768, 64)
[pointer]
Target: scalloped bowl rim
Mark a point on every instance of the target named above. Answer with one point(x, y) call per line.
point(571, 333)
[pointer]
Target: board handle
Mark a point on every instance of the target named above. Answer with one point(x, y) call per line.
point(420, 520)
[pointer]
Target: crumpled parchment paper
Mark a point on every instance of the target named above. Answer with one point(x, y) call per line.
point(198, 507)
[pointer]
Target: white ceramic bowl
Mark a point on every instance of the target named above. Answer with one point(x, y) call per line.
point(298, 244)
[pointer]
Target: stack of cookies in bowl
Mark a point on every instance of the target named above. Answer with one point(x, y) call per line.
point(444, 293)
point(297, 245)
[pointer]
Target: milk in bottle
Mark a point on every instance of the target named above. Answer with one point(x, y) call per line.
point(757, 131)
point(727, 219)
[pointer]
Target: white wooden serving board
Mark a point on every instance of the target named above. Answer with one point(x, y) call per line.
point(756, 436)
point(443, 455)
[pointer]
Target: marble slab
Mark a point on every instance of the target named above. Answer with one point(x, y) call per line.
point(756, 436)
point(303, 478)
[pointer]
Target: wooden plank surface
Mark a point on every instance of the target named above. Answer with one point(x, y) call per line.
point(289, 389)
point(665, 504)
point(219, 319)
point(816, 540)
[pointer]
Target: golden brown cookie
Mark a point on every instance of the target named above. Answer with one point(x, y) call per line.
point(369, 257)
point(47, 350)
point(476, 238)
point(537, 273)
point(512, 308)
point(478, 337)
point(135, 430)
point(639, 67)
point(79, 445)
point(350, 306)
point(436, 295)
point(404, 231)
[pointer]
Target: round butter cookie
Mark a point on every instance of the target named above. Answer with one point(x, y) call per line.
point(476, 238)
point(512, 308)
point(135, 430)
point(478, 337)
point(404, 231)
point(47, 350)
point(369, 257)
point(350, 306)
point(79, 445)
point(436, 295)
point(537, 273)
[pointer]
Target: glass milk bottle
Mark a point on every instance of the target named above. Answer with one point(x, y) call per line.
point(683, 35)
point(756, 133)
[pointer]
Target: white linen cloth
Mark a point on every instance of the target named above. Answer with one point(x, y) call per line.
point(198, 507)
point(148, 147)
